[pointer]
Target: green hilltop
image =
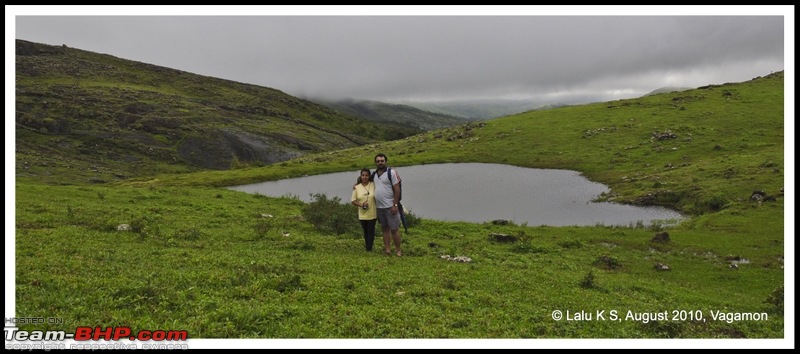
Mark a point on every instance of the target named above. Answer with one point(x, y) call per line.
point(93, 117)
point(161, 245)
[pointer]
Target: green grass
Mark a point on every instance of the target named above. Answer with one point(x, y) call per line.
point(213, 262)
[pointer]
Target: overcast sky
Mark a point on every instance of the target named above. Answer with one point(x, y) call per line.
point(435, 53)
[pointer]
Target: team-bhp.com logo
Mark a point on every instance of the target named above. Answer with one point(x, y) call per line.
point(111, 336)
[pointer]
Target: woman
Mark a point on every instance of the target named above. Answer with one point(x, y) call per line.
point(364, 198)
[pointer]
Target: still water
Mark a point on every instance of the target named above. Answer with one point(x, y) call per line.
point(480, 192)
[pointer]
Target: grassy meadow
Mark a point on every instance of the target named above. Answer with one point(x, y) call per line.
point(225, 264)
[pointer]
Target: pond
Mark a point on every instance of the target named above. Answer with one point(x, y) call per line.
point(480, 192)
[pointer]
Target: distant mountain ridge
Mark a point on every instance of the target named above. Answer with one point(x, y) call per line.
point(668, 89)
point(396, 114)
point(479, 109)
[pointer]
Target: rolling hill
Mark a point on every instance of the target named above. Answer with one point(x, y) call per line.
point(100, 118)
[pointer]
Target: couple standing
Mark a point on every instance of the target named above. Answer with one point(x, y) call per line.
point(376, 195)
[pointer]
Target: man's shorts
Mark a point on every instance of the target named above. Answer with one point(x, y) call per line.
point(385, 217)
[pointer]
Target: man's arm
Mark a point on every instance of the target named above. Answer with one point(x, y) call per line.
point(396, 194)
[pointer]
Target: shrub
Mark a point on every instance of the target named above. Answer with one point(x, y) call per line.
point(716, 202)
point(607, 262)
point(290, 283)
point(411, 219)
point(571, 244)
point(146, 226)
point(588, 281)
point(710, 204)
point(527, 247)
point(190, 234)
point(331, 215)
point(263, 227)
point(776, 299)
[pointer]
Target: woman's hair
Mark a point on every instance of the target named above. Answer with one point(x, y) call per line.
point(362, 171)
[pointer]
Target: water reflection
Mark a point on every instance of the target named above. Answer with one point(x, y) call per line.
point(479, 192)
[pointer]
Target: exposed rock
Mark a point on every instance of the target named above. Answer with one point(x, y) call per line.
point(735, 261)
point(661, 267)
point(665, 135)
point(607, 262)
point(758, 195)
point(662, 237)
point(460, 259)
point(502, 237)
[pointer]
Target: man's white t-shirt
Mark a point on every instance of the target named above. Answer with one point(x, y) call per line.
point(384, 194)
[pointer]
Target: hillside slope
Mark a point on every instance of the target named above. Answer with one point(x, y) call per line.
point(95, 117)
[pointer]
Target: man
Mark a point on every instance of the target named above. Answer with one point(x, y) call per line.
point(387, 195)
